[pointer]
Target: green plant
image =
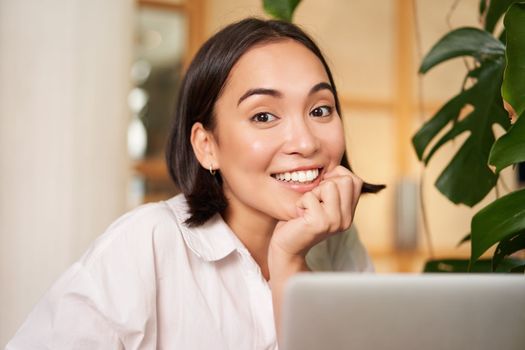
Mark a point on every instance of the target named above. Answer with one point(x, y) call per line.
point(281, 9)
point(503, 221)
point(468, 178)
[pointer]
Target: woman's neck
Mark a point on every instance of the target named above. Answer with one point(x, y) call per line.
point(254, 229)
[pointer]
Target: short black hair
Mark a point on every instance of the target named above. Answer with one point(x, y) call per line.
point(200, 90)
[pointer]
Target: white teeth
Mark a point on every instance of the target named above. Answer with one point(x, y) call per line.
point(298, 176)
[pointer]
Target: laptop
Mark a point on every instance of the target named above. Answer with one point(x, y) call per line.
point(338, 311)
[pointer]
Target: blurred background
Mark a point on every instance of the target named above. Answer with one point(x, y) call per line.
point(87, 89)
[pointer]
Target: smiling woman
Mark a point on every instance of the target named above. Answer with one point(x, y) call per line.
point(257, 148)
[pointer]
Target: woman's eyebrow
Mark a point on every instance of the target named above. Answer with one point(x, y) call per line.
point(260, 91)
point(321, 86)
point(275, 93)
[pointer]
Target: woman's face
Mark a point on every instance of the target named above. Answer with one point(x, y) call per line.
point(277, 130)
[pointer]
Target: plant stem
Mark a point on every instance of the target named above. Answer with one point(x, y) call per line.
point(449, 24)
point(421, 112)
point(424, 214)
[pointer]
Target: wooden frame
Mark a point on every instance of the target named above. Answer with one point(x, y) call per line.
point(154, 168)
point(196, 14)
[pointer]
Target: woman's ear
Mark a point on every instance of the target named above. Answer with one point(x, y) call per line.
point(204, 146)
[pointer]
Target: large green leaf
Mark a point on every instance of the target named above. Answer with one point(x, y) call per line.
point(513, 89)
point(495, 10)
point(455, 182)
point(499, 220)
point(463, 42)
point(508, 246)
point(462, 186)
point(281, 9)
point(449, 112)
point(509, 148)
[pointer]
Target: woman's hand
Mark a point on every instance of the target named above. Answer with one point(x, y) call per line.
point(326, 210)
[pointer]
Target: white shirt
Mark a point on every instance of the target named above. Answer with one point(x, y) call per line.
point(151, 282)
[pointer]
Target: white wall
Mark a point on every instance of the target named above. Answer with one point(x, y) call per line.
point(64, 78)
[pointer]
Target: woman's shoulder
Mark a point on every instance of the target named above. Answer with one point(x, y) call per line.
point(126, 260)
point(109, 294)
point(143, 228)
point(151, 215)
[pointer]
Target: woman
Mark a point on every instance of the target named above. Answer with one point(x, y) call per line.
point(256, 149)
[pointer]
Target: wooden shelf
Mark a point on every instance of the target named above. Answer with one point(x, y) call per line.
point(153, 169)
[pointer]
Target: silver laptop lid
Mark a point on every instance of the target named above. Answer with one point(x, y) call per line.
point(372, 312)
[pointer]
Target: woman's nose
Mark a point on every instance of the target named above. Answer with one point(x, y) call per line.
point(301, 138)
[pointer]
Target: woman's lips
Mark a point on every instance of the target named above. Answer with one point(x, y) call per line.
point(300, 180)
point(301, 176)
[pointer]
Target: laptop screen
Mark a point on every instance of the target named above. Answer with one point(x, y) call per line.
point(370, 312)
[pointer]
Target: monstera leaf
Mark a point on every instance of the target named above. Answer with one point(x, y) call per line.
point(281, 9)
point(513, 89)
point(467, 178)
point(503, 220)
point(465, 41)
point(510, 148)
point(500, 220)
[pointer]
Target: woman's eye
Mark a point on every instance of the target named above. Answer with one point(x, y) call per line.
point(263, 117)
point(322, 111)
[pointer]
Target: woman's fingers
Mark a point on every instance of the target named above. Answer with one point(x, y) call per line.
point(313, 211)
point(327, 209)
point(349, 187)
point(328, 194)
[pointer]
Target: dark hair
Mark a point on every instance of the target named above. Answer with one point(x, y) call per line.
point(200, 89)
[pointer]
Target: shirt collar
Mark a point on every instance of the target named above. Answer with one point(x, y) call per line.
point(212, 241)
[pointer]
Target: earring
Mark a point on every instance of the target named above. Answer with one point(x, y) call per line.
point(212, 171)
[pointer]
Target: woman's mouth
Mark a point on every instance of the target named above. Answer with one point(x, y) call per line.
point(299, 176)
